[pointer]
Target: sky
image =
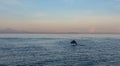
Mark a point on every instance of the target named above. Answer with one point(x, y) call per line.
point(60, 16)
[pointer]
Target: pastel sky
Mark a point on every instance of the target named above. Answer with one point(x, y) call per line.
point(60, 16)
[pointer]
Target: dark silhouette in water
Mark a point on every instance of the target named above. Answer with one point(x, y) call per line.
point(73, 42)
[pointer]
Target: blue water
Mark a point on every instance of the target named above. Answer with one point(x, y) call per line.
point(56, 50)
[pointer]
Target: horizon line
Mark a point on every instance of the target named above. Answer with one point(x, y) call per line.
point(52, 33)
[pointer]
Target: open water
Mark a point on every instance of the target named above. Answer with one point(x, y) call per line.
point(56, 50)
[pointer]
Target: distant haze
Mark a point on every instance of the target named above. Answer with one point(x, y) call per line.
point(60, 16)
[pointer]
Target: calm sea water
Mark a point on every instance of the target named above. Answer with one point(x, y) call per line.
point(56, 50)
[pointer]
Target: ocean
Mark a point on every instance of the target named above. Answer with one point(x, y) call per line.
point(56, 50)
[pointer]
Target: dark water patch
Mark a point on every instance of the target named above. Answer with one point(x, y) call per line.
point(3, 65)
point(22, 65)
point(5, 48)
